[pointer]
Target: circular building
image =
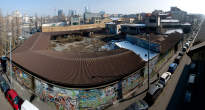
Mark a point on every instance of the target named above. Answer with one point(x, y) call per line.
point(75, 80)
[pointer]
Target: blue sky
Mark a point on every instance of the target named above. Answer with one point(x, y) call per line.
point(48, 7)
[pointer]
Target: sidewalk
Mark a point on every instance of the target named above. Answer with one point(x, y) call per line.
point(25, 94)
point(141, 92)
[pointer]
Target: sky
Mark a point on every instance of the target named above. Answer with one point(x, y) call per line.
point(50, 7)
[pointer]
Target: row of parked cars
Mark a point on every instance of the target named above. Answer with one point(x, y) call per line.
point(187, 44)
point(158, 87)
point(155, 89)
point(11, 95)
point(191, 83)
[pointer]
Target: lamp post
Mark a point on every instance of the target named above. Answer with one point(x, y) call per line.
point(148, 37)
point(10, 41)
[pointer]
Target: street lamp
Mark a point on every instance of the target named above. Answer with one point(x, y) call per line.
point(148, 37)
point(10, 39)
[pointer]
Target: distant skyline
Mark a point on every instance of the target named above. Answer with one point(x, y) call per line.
point(50, 7)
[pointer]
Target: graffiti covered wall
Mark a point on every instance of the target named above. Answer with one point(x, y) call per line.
point(97, 97)
point(71, 99)
point(22, 77)
point(64, 99)
point(131, 82)
point(78, 99)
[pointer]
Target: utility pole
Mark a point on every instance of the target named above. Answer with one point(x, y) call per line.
point(10, 34)
point(148, 37)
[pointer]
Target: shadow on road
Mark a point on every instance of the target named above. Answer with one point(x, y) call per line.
point(177, 98)
point(134, 96)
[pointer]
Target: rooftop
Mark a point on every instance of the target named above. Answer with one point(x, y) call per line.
point(134, 25)
point(196, 48)
point(170, 31)
point(170, 21)
point(74, 69)
point(165, 41)
point(142, 52)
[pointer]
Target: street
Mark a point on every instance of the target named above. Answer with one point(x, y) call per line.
point(169, 91)
point(140, 95)
point(4, 104)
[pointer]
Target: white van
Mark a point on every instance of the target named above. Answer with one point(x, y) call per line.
point(28, 106)
point(164, 78)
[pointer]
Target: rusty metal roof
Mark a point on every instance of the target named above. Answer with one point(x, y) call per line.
point(77, 70)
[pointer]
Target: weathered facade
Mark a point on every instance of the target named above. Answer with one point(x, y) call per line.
point(66, 98)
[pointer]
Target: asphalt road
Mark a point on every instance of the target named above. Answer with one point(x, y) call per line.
point(198, 96)
point(168, 98)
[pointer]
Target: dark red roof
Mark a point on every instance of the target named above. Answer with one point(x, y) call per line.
point(79, 70)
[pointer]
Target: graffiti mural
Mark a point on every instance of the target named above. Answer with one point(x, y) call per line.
point(131, 83)
point(22, 77)
point(64, 99)
point(78, 99)
point(97, 97)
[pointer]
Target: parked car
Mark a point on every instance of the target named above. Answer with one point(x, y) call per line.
point(138, 105)
point(192, 66)
point(190, 40)
point(190, 88)
point(187, 98)
point(177, 60)
point(153, 92)
point(164, 78)
point(4, 86)
point(14, 99)
point(172, 67)
point(191, 81)
point(187, 45)
point(184, 49)
point(181, 53)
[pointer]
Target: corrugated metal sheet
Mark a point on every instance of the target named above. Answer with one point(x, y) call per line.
point(74, 69)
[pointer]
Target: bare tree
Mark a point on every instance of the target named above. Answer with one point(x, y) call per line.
point(1, 32)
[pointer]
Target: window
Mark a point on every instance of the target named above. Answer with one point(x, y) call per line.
point(162, 79)
point(10, 97)
point(152, 20)
point(133, 28)
point(16, 100)
point(156, 92)
point(167, 77)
